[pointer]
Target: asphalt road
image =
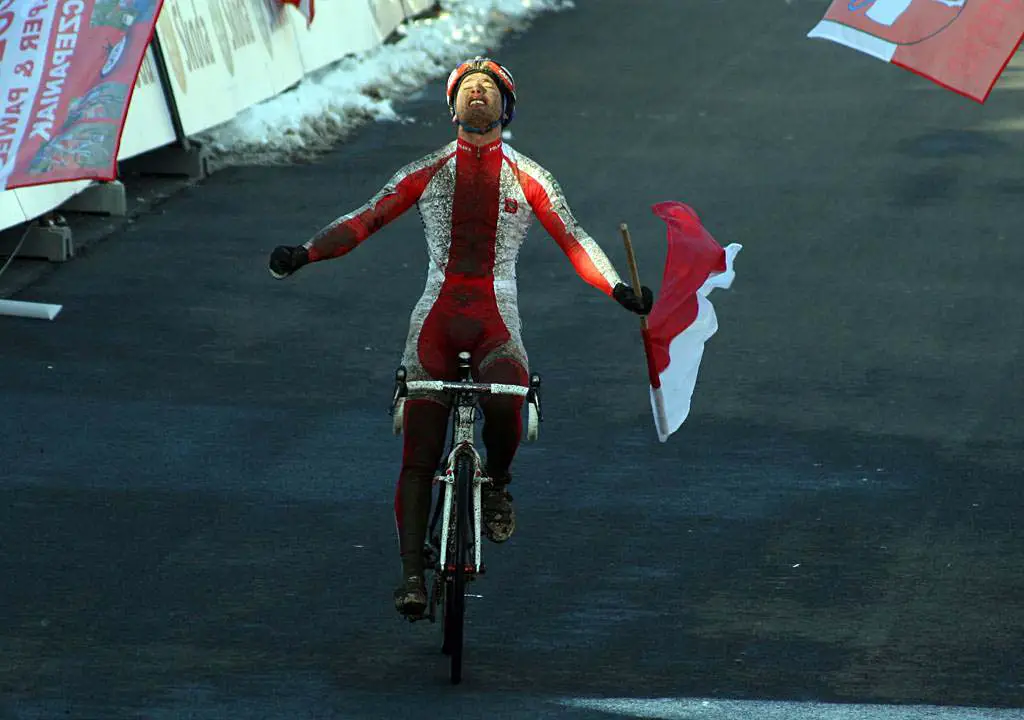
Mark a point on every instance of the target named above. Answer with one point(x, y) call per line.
point(198, 467)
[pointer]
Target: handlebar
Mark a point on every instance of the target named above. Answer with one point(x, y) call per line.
point(414, 386)
point(404, 388)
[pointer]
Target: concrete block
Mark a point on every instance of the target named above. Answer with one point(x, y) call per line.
point(174, 160)
point(46, 238)
point(101, 199)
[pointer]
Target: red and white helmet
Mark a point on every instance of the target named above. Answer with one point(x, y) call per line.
point(498, 73)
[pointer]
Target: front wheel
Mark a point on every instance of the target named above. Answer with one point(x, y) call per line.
point(455, 582)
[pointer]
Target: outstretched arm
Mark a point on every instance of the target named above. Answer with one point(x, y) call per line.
point(549, 205)
point(344, 234)
point(590, 261)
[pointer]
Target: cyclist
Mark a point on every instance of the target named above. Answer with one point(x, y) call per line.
point(477, 197)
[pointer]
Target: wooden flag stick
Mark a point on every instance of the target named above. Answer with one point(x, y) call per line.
point(634, 273)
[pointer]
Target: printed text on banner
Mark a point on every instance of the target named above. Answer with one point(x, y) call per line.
point(67, 71)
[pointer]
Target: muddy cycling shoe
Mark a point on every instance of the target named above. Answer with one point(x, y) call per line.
point(498, 514)
point(411, 597)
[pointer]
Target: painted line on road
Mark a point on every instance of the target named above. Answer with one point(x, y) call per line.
point(711, 709)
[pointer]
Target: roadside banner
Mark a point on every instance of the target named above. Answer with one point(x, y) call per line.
point(67, 71)
point(226, 56)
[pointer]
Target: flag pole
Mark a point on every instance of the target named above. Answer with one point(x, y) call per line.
point(657, 399)
point(634, 273)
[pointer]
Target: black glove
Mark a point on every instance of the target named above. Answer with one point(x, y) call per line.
point(627, 298)
point(285, 260)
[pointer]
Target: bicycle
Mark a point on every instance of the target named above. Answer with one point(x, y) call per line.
point(453, 551)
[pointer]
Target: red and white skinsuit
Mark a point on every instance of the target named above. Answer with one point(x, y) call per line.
point(477, 203)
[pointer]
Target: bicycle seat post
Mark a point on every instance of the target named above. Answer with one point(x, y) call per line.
point(464, 367)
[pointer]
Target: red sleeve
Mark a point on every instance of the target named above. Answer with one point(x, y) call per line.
point(549, 205)
point(399, 194)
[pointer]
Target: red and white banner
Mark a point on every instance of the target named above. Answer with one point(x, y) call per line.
point(305, 7)
point(67, 71)
point(682, 318)
point(963, 45)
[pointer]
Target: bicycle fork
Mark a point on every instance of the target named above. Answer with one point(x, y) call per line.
point(463, 445)
point(449, 508)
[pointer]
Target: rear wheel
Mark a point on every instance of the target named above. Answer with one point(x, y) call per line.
point(455, 583)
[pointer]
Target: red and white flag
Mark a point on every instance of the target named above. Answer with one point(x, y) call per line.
point(962, 45)
point(304, 6)
point(682, 318)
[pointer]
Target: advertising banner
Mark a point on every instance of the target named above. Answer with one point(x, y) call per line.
point(67, 70)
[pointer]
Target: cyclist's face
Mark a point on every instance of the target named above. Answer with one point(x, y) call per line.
point(479, 100)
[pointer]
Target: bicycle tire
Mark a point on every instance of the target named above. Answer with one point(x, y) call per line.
point(445, 584)
point(446, 613)
point(455, 622)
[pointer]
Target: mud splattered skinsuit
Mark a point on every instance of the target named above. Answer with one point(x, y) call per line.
point(477, 204)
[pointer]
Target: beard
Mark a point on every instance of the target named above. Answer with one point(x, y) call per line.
point(479, 116)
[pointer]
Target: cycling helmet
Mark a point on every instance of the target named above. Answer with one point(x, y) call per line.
point(498, 73)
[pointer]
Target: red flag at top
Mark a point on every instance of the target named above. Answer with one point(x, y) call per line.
point(305, 7)
point(683, 319)
point(963, 45)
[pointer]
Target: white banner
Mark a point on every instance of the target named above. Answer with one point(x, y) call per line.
point(41, 199)
point(388, 15)
point(225, 55)
point(278, 27)
point(198, 73)
point(340, 29)
point(148, 125)
point(417, 7)
point(11, 213)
